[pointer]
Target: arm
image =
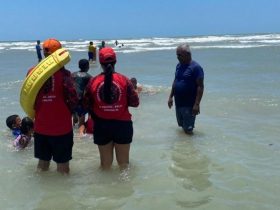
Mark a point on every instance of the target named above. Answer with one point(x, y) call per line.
point(23, 141)
point(199, 94)
point(88, 97)
point(132, 96)
point(69, 92)
point(170, 99)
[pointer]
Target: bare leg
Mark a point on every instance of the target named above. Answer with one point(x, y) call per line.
point(82, 125)
point(106, 155)
point(82, 130)
point(43, 165)
point(63, 168)
point(122, 155)
point(81, 120)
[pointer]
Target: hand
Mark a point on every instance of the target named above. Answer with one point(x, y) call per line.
point(196, 109)
point(170, 103)
point(23, 143)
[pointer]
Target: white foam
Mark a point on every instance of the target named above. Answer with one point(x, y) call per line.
point(228, 46)
point(159, 43)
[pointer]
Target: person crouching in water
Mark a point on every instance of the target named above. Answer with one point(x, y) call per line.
point(14, 122)
point(24, 138)
point(107, 98)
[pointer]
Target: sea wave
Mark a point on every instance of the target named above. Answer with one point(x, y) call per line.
point(159, 43)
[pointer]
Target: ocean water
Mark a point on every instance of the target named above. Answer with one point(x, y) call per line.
point(231, 162)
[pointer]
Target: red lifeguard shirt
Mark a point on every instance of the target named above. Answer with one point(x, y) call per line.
point(52, 112)
point(123, 96)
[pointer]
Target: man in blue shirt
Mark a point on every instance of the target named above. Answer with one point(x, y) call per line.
point(38, 50)
point(187, 89)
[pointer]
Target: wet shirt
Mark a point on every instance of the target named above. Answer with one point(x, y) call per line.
point(185, 86)
point(91, 48)
point(81, 80)
point(16, 132)
point(54, 104)
point(123, 96)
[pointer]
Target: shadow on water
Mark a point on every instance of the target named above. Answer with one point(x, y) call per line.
point(111, 190)
point(191, 169)
point(99, 190)
point(87, 186)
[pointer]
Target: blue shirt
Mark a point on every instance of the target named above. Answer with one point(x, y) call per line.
point(185, 87)
point(81, 80)
point(16, 132)
point(38, 50)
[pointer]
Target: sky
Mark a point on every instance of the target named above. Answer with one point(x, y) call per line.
point(116, 19)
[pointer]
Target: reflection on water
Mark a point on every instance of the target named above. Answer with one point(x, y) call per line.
point(95, 188)
point(191, 169)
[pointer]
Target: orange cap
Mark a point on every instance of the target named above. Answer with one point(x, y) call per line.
point(51, 45)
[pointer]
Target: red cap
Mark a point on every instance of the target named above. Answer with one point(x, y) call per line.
point(51, 45)
point(107, 55)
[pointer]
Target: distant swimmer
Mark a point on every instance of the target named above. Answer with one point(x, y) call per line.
point(147, 90)
point(102, 45)
point(121, 45)
point(116, 43)
point(91, 53)
point(38, 50)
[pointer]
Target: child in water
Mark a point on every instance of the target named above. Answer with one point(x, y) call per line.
point(138, 88)
point(81, 79)
point(87, 127)
point(14, 122)
point(26, 130)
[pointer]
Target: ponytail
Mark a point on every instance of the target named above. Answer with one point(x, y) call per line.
point(109, 69)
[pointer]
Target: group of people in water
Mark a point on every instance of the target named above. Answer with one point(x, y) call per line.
point(92, 50)
point(67, 98)
point(22, 130)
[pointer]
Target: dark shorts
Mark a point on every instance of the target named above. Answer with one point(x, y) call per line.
point(39, 56)
point(58, 148)
point(118, 131)
point(90, 55)
point(80, 110)
point(185, 118)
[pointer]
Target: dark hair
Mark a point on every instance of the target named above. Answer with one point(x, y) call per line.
point(134, 82)
point(109, 69)
point(84, 64)
point(26, 125)
point(11, 120)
